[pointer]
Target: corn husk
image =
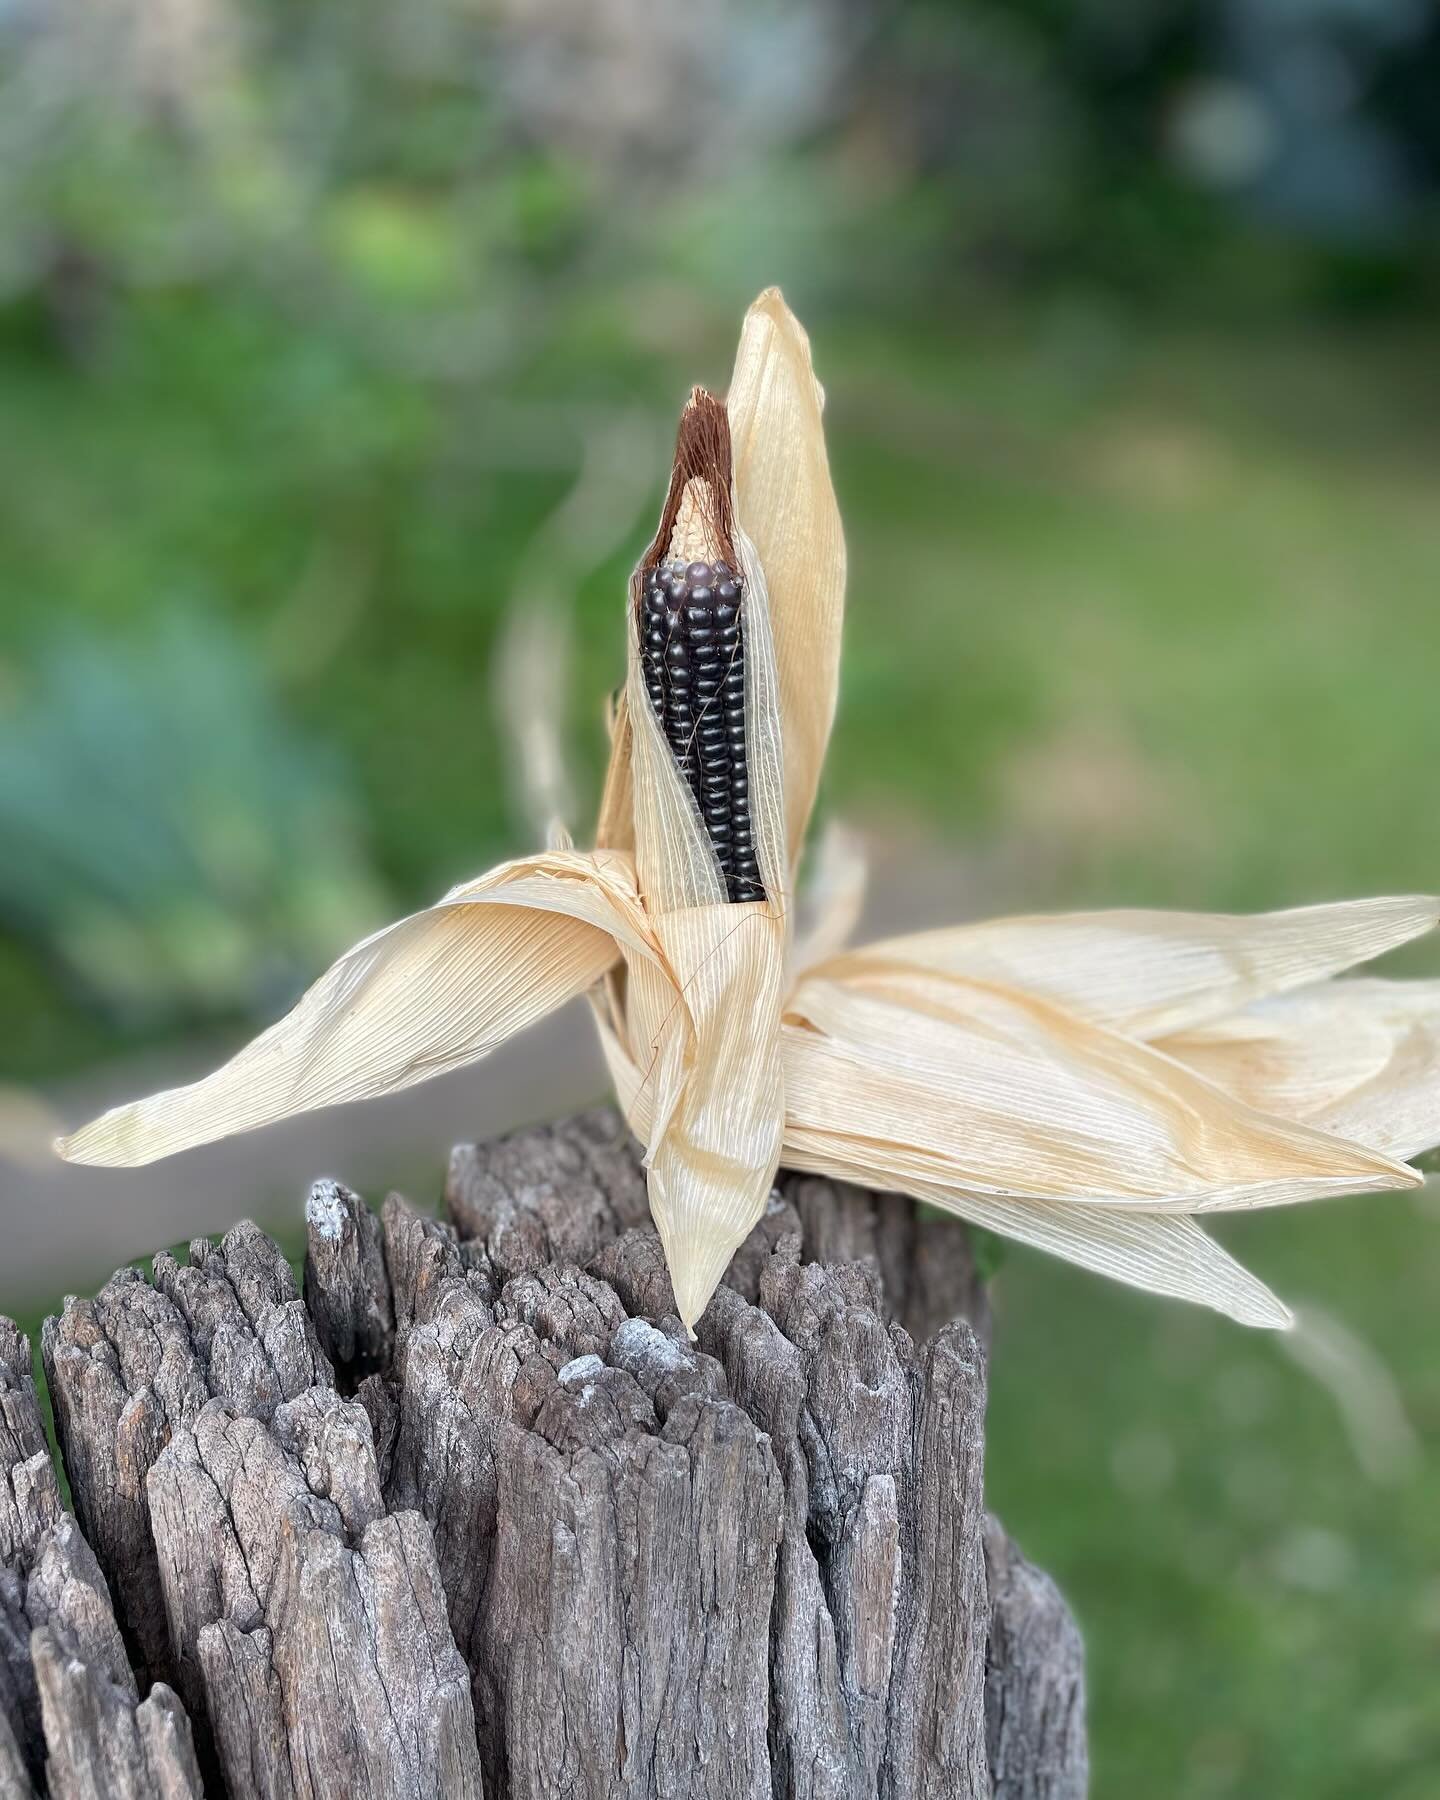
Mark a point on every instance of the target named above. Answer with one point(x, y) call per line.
point(1152, 973)
point(1086, 1084)
point(433, 992)
point(994, 1091)
point(785, 504)
point(1357, 1059)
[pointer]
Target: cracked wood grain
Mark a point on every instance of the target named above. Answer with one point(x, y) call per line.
point(137, 1363)
point(551, 1193)
point(309, 1624)
point(1035, 1682)
point(347, 1286)
point(626, 1618)
point(72, 1722)
point(475, 1514)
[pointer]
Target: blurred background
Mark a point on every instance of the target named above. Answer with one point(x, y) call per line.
point(335, 338)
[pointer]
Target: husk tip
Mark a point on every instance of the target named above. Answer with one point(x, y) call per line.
point(1266, 1312)
point(693, 1288)
point(108, 1142)
point(74, 1147)
point(772, 306)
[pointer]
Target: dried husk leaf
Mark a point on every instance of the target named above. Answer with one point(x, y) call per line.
point(1357, 1058)
point(1150, 974)
point(1163, 1253)
point(996, 1092)
point(834, 899)
point(615, 826)
point(785, 503)
point(714, 1150)
point(433, 992)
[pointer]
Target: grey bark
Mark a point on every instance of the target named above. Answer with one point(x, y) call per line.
point(310, 1626)
point(1034, 1693)
point(136, 1364)
point(347, 1291)
point(72, 1722)
point(475, 1512)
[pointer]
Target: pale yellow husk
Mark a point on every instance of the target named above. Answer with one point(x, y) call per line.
point(1357, 1059)
point(1084, 1084)
point(434, 992)
point(786, 506)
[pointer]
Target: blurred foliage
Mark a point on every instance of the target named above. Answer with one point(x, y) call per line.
point(339, 331)
point(1260, 1618)
point(172, 842)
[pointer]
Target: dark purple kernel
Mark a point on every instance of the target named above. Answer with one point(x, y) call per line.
point(692, 656)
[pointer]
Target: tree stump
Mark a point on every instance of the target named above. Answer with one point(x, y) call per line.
point(474, 1517)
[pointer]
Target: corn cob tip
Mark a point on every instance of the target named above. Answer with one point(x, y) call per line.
point(695, 535)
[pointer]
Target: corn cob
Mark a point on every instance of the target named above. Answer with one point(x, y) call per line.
point(693, 653)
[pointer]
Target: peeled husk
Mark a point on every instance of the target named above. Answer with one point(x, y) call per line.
point(1082, 1083)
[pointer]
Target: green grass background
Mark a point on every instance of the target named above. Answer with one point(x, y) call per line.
point(1138, 614)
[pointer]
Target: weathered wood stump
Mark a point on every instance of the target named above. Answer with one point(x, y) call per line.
point(473, 1516)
